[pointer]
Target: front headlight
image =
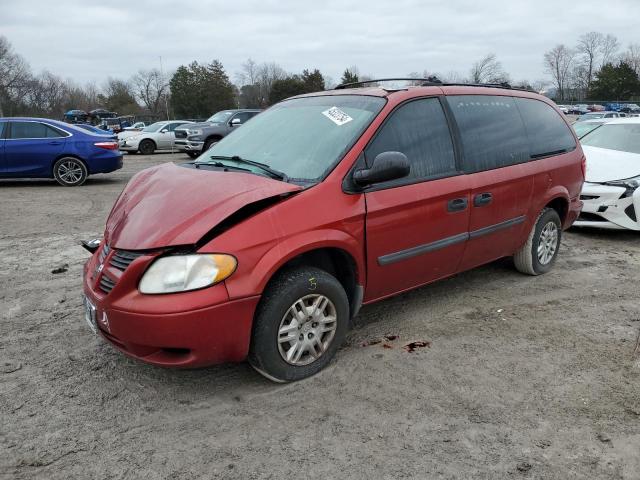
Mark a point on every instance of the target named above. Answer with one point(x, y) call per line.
point(194, 132)
point(631, 184)
point(181, 273)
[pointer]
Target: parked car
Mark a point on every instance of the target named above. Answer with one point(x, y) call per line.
point(267, 245)
point(199, 137)
point(631, 108)
point(563, 108)
point(157, 136)
point(42, 148)
point(136, 127)
point(595, 115)
point(610, 194)
point(579, 109)
point(583, 128)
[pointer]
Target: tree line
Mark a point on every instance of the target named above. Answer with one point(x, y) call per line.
point(594, 68)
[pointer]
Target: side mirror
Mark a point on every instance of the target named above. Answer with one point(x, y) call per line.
point(386, 166)
point(164, 130)
point(235, 122)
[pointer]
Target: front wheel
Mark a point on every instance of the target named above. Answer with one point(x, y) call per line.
point(300, 323)
point(539, 254)
point(70, 172)
point(193, 154)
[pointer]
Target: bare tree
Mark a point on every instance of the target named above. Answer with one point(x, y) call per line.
point(632, 57)
point(558, 63)
point(590, 48)
point(151, 88)
point(488, 70)
point(609, 49)
point(14, 72)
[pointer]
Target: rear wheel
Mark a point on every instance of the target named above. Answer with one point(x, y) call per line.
point(70, 172)
point(300, 323)
point(147, 147)
point(539, 254)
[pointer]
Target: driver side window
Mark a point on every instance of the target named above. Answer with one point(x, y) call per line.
point(419, 129)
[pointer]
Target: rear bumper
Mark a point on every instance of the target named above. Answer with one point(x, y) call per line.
point(610, 207)
point(575, 206)
point(105, 164)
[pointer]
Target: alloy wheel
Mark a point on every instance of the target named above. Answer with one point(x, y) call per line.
point(70, 171)
point(547, 243)
point(307, 329)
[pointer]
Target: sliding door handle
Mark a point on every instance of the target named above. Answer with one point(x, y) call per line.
point(457, 204)
point(482, 199)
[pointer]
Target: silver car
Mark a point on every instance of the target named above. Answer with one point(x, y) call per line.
point(157, 136)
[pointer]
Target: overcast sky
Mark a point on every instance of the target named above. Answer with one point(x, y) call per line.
point(90, 40)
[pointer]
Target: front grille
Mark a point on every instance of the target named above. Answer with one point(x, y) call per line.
point(631, 212)
point(121, 259)
point(181, 133)
point(106, 284)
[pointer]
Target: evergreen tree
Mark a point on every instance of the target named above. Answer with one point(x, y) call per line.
point(615, 82)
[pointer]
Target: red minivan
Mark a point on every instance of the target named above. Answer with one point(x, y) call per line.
point(265, 247)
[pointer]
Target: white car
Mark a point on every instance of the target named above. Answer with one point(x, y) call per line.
point(611, 193)
point(157, 136)
point(564, 109)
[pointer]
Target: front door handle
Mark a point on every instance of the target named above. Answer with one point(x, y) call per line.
point(457, 204)
point(482, 199)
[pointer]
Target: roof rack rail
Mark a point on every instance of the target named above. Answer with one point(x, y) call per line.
point(433, 81)
point(425, 82)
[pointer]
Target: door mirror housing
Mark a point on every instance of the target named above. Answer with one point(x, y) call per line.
point(164, 130)
point(386, 166)
point(235, 122)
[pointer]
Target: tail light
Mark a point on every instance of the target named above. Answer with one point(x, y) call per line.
point(107, 145)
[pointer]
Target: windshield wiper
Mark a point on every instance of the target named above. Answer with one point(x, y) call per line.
point(262, 166)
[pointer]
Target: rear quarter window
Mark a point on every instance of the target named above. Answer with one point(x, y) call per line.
point(547, 132)
point(491, 131)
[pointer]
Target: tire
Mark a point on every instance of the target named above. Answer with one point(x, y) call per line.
point(147, 147)
point(539, 253)
point(193, 154)
point(70, 172)
point(288, 315)
point(209, 143)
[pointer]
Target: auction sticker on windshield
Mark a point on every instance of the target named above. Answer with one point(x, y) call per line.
point(337, 116)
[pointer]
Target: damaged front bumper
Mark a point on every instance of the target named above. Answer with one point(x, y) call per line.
point(609, 206)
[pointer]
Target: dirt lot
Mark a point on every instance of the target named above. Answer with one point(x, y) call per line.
point(524, 378)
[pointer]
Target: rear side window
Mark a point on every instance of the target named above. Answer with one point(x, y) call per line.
point(2, 130)
point(25, 130)
point(491, 131)
point(548, 134)
point(418, 129)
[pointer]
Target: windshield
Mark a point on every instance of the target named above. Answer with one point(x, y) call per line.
point(220, 117)
point(590, 116)
point(304, 137)
point(154, 127)
point(621, 137)
point(582, 128)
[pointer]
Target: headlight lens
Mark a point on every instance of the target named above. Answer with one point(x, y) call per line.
point(181, 273)
point(195, 132)
point(631, 184)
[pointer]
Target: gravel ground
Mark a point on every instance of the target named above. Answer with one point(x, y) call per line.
point(521, 377)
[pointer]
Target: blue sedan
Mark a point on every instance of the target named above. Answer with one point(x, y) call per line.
point(42, 148)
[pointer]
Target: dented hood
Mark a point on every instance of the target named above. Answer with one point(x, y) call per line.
point(170, 205)
point(604, 165)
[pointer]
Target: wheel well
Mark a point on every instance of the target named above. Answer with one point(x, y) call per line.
point(335, 261)
point(217, 138)
point(155, 145)
point(69, 155)
point(561, 206)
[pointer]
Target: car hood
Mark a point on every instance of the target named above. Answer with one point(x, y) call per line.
point(193, 126)
point(171, 205)
point(604, 165)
